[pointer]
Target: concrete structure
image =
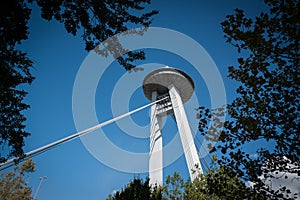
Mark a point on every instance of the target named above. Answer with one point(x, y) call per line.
point(177, 87)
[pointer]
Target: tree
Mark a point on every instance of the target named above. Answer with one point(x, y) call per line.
point(223, 183)
point(13, 185)
point(137, 190)
point(95, 20)
point(174, 188)
point(14, 71)
point(268, 102)
point(218, 183)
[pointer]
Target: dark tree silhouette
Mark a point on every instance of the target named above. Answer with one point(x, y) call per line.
point(267, 107)
point(14, 71)
point(137, 189)
point(95, 20)
point(218, 183)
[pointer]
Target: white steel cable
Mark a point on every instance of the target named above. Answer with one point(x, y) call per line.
point(47, 147)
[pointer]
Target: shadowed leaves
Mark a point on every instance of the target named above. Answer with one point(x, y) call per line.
point(94, 20)
point(267, 105)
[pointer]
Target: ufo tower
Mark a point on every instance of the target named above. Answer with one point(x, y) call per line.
point(175, 87)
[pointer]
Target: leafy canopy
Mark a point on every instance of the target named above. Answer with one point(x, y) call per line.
point(217, 184)
point(95, 20)
point(267, 106)
point(13, 185)
point(137, 189)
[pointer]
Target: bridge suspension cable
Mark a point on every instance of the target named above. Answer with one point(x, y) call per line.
point(47, 147)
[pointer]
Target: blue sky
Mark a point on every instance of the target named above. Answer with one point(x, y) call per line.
point(72, 171)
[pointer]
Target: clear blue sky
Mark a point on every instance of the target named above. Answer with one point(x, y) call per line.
point(71, 171)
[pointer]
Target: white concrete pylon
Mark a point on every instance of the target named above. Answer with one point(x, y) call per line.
point(156, 145)
point(156, 142)
point(187, 140)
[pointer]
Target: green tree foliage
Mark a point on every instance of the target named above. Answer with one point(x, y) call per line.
point(95, 20)
point(219, 183)
point(268, 102)
point(13, 185)
point(137, 190)
point(174, 188)
point(223, 183)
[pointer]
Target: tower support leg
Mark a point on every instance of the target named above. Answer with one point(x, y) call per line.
point(189, 148)
point(156, 146)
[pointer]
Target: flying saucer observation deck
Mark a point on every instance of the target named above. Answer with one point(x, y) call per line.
point(161, 79)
